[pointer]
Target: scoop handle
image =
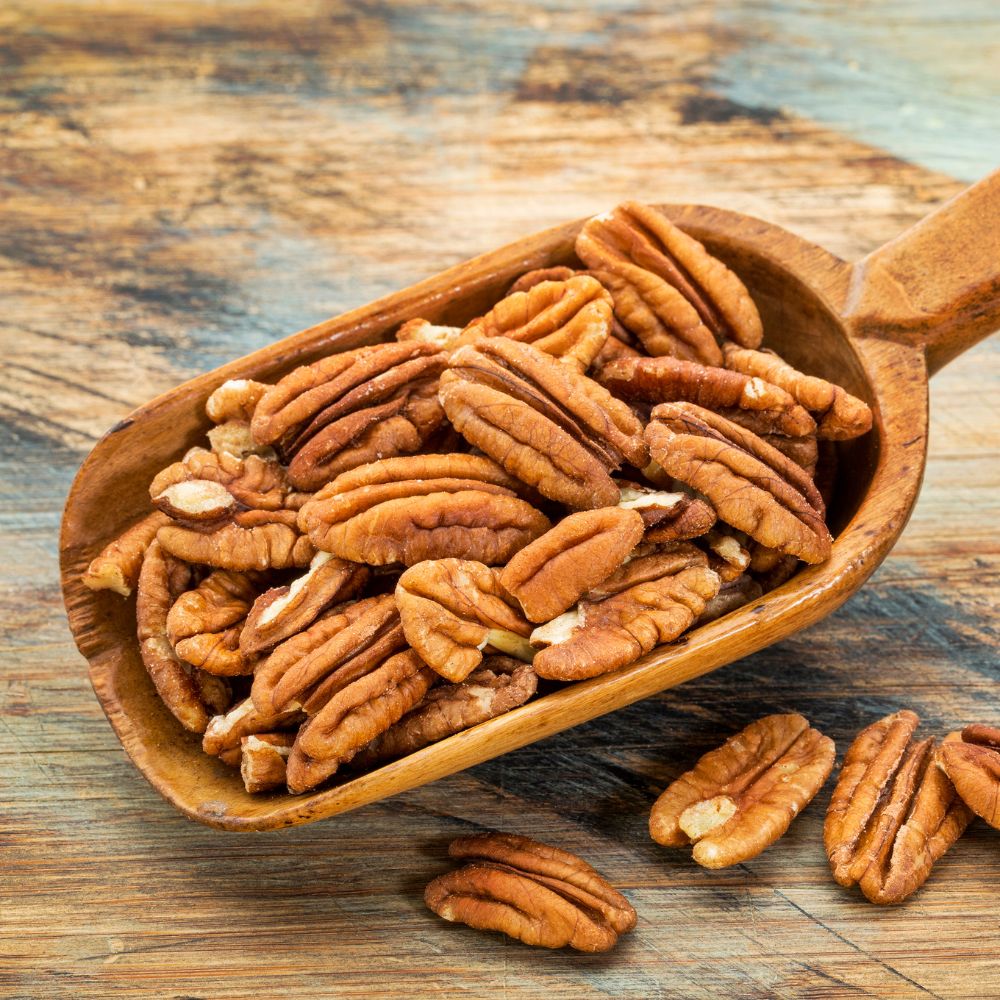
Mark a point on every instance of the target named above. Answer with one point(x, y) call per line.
point(938, 284)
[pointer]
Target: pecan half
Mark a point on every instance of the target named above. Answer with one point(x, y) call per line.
point(752, 486)
point(263, 760)
point(741, 798)
point(530, 891)
point(603, 635)
point(281, 612)
point(529, 279)
point(497, 686)
point(568, 319)
point(673, 294)
point(554, 571)
point(666, 379)
point(333, 652)
point(235, 399)
point(190, 694)
point(412, 508)
point(244, 719)
point(452, 608)
point(352, 408)
point(425, 332)
point(973, 764)
point(549, 426)
point(893, 812)
point(354, 716)
point(839, 415)
point(119, 562)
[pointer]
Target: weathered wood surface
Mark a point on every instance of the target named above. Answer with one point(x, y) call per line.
point(183, 183)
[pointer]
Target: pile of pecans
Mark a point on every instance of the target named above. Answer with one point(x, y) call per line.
point(398, 542)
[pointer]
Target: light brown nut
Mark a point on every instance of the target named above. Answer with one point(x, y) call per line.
point(554, 571)
point(568, 319)
point(597, 637)
point(282, 612)
point(221, 600)
point(234, 438)
point(839, 415)
point(731, 596)
point(251, 539)
point(646, 564)
point(350, 409)
point(689, 518)
point(235, 399)
point(424, 331)
point(411, 508)
point(216, 653)
point(752, 486)
point(119, 562)
point(532, 892)
point(973, 765)
point(452, 608)
point(893, 812)
point(726, 555)
point(549, 426)
point(529, 279)
point(666, 379)
point(674, 295)
point(497, 686)
point(183, 689)
point(741, 798)
point(224, 732)
point(263, 761)
point(354, 716)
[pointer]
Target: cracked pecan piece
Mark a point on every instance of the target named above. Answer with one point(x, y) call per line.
point(235, 399)
point(731, 596)
point(451, 609)
point(569, 319)
point(551, 573)
point(838, 414)
point(674, 295)
point(668, 516)
point(354, 716)
point(350, 409)
point(497, 686)
point(224, 732)
point(742, 797)
point(726, 555)
point(665, 379)
point(264, 761)
point(532, 892)
point(282, 612)
point(604, 633)
point(893, 812)
point(547, 425)
point(411, 508)
point(973, 765)
point(117, 565)
point(752, 486)
point(191, 695)
point(333, 652)
point(426, 332)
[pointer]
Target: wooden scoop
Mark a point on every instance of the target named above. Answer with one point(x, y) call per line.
point(879, 328)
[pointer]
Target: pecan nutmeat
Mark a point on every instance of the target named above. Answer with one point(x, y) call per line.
point(973, 764)
point(117, 565)
point(742, 797)
point(224, 732)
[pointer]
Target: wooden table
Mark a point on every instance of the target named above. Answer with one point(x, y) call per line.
point(183, 183)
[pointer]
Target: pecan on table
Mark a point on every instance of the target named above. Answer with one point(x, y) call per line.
point(416, 507)
point(451, 609)
point(672, 293)
point(627, 615)
point(742, 797)
point(350, 409)
point(264, 761)
point(551, 573)
point(549, 426)
point(839, 415)
point(282, 612)
point(345, 644)
point(354, 716)
point(538, 894)
point(498, 685)
point(893, 812)
point(117, 565)
point(751, 485)
point(224, 732)
point(973, 764)
point(192, 695)
point(569, 319)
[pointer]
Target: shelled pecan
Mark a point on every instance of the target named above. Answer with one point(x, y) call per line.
point(350, 409)
point(893, 812)
point(532, 892)
point(451, 609)
point(731, 596)
point(264, 760)
point(235, 399)
point(412, 508)
point(117, 565)
point(425, 332)
point(224, 732)
point(547, 425)
point(741, 798)
point(973, 764)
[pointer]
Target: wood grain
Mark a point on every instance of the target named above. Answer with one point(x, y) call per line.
point(184, 183)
